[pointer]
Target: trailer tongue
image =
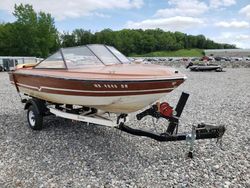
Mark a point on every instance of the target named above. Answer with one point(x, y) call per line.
point(201, 131)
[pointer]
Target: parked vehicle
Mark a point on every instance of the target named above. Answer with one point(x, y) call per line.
point(206, 58)
point(237, 58)
point(218, 58)
point(247, 58)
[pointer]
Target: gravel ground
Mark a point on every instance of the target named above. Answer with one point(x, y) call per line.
point(72, 154)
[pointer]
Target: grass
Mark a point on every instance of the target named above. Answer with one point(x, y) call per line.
point(177, 53)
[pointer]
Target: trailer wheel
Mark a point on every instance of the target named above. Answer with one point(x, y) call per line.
point(35, 119)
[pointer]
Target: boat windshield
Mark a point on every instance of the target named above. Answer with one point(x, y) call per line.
point(104, 54)
point(78, 57)
point(54, 61)
point(118, 54)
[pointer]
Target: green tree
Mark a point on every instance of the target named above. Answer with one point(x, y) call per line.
point(7, 40)
point(68, 40)
point(82, 36)
point(32, 34)
point(47, 36)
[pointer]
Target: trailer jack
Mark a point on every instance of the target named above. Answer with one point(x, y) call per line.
point(201, 131)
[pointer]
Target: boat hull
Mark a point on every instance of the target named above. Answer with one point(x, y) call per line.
point(122, 88)
point(204, 68)
point(115, 104)
point(118, 96)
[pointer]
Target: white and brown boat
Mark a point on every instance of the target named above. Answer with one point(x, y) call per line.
point(82, 83)
point(97, 76)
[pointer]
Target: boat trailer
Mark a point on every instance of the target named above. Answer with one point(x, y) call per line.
point(37, 108)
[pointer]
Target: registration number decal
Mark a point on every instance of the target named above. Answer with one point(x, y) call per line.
point(114, 86)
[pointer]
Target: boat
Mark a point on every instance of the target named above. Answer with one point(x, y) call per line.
point(204, 67)
point(96, 76)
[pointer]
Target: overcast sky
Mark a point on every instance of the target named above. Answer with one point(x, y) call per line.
point(220, 20)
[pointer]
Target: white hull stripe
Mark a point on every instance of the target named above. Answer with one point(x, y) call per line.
point(89, 91)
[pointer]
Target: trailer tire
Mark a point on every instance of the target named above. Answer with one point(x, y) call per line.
point(35, 119)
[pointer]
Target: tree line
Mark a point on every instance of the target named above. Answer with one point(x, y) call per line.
point(35, 34)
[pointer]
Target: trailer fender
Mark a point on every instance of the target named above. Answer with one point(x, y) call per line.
point(38, 104)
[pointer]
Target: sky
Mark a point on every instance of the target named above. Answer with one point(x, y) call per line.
point(224, 21)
